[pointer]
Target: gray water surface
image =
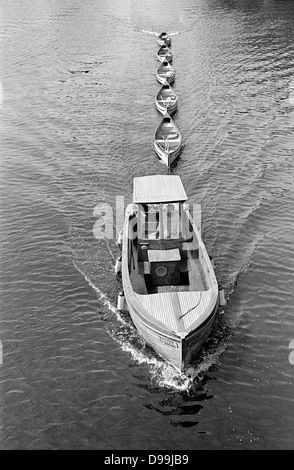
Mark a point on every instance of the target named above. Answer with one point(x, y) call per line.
point(77, 123)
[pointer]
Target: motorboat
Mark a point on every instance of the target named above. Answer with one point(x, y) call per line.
point(168, 278)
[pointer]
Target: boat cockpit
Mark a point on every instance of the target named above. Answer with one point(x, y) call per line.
point(163, 249)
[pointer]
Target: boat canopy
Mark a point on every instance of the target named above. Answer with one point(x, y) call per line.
point(158, 188)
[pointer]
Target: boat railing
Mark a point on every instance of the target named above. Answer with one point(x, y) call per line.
point(174, 135)
point(205, 267)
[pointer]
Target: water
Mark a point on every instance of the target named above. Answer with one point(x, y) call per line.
point(77, 121)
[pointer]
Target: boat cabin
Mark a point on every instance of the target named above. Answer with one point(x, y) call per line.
point(163, 248)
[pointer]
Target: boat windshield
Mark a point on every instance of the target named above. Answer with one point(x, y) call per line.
point(160, 221)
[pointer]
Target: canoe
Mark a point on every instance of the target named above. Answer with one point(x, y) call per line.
point(165, 73)
point(167, 140)
point(166, 100)
point(164, 53)
point(164, 38)
point(169, 282)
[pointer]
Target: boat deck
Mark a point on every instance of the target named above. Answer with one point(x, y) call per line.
point(177, 310)
point(176, 304)
point(169, 276)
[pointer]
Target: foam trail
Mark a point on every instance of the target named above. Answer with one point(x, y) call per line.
point(160, 371)
point(148, 31)
point(106, 301)
point(164, 375)
point(154, 33)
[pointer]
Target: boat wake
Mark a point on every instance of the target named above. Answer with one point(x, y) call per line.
point(163, 374)
point(155, 33)
point(102, 297)
point(149, 31)
point(120, 328)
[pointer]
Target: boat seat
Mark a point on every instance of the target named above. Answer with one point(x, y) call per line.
point(172, 254)
point(173, 135)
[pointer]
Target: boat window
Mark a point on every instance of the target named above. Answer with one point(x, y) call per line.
point(149, 218)
point(160, 221)
point(171, 220)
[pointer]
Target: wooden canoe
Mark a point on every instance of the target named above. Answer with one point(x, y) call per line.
point(164, 38)
point(166, 100)
point(165, 73)
point(167, 140)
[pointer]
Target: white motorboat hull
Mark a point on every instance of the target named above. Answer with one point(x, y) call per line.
point(179, 352)
point(172, 312)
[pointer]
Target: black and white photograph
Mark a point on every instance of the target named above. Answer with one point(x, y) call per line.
point(147, 228)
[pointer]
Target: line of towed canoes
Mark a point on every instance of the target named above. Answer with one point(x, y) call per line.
point(167, 137)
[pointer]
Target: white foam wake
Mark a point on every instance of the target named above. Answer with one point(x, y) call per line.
point(155, 33)
point(102, 297)
point(162, 373)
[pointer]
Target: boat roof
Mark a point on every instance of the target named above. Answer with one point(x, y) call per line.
point(158, 188)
